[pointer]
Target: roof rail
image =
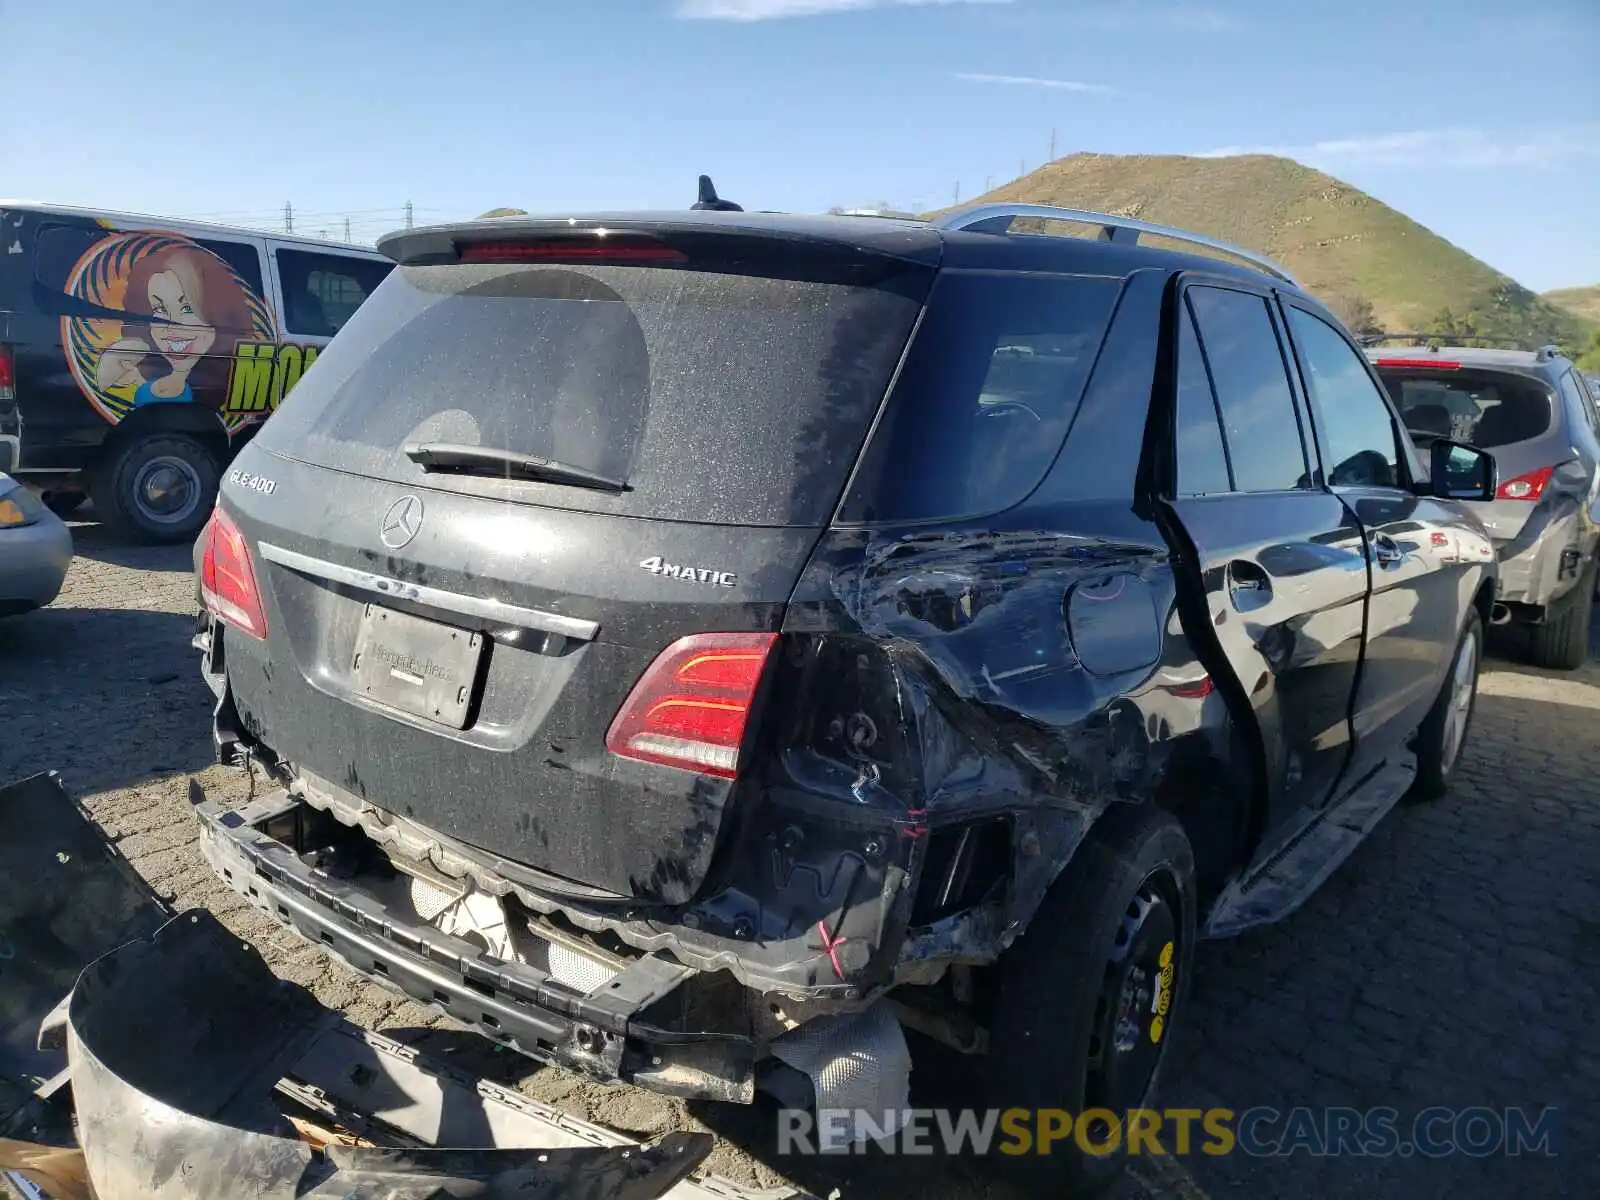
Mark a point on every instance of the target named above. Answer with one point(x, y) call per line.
point(1468, 340)
point(997, 218)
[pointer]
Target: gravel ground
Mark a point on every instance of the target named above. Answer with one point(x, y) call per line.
point(1455, 960)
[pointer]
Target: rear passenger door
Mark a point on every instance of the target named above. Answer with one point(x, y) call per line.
point(1280, 558)
point(1420, 586)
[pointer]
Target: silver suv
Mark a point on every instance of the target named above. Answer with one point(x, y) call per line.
point(1534, 411)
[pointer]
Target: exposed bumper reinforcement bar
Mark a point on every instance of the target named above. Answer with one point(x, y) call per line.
point(600, 1034)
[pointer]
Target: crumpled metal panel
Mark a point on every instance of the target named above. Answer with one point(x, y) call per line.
point(176, 1044)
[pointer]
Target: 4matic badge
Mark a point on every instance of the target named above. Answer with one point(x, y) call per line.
point(657, 566)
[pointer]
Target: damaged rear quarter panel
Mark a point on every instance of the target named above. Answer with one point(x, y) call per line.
point(1029, 664)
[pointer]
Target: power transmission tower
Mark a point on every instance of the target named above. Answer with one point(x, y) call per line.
point(986, 182)
point(958, 191)
point(1052, 144)
point(1022, 168)
point(347, 229)
point(408, 214)
point(288, 217)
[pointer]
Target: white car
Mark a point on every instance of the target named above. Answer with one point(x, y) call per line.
point(35, 550)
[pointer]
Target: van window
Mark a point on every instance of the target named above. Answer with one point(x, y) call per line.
point(985, 398)
point(719, 396)
point(322, 291)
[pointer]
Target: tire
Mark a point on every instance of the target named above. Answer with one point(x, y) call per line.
point(64, 504)
point(158, 488)
point(1562, 641)
point(1095, 949)
point(1443, 732)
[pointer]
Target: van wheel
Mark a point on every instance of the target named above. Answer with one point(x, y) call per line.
point(1443, 732)
point(1089, 996)
point(1562, 641)
point(158, 488)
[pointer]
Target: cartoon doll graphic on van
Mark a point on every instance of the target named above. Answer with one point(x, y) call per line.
point(197, 307)
point(185, 311)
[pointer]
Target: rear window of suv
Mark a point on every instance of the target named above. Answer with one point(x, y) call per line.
point(719, 397)
point(1481, 408)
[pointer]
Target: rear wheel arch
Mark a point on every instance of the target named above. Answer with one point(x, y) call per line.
point(202, 424)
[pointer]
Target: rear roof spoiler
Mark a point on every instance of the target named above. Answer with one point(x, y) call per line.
point(711, 233)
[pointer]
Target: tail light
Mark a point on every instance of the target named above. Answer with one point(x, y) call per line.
point(1526, 487)
point(228, 577)
point(689, 709)
point(1431, 364)
point(8, 373)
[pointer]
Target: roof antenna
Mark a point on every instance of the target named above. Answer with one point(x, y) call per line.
point(710, 201)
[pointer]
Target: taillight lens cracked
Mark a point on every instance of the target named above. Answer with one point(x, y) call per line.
point(691, 706)
point(228, 577)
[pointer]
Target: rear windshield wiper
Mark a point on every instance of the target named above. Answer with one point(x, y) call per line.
point(447, 457)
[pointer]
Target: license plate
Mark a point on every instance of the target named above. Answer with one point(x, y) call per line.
point(419, 667)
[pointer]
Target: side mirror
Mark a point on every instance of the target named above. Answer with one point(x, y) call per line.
point(1457, 471)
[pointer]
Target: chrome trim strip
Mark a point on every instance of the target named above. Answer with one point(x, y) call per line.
point(472, 606)
point(999, 217)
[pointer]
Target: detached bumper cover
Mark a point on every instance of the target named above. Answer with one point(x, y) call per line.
point(151, 1123)
point(600, 1034)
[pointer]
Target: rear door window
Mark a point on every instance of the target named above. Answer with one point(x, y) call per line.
point(1482, 408)
point(322, 291)
point(985, 398)
point(718, 396)
point(1247, 369)
point(1202, 458)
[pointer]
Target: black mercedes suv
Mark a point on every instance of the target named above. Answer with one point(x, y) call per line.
point(695, 647)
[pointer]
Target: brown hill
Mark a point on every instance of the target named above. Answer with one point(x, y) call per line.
point(1585, 301)
point(1342, 244)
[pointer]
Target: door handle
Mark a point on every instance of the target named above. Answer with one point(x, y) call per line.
point(1249, 586)
point(1386, 550)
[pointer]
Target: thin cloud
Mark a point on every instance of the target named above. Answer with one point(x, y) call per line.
point(1060, 85)
point(778, 10)
point(1156, 18)
point(1459, 147)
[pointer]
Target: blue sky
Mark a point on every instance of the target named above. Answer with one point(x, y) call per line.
point(1480, 118)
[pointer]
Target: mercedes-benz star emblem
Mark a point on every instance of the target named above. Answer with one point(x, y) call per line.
point(401, 522)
